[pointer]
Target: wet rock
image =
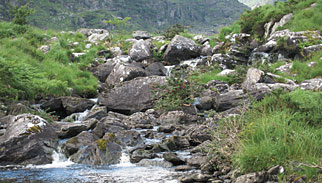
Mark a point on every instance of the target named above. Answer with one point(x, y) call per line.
point(184, 168)
point(124, 72)
point(157, 68)
point(129, 138)
point(181, 48)
point(312, 84)
point(173, 158)
point(97, 112)
point(90, 123)
point(65, 106)
point(177, 143)
point(109, 124)
point(198, 134)
point(195, 178)
point(141, 50)
point(73, 144)
point(67, 130)
point(153, 162)
point(176, 117)
point(141, 35)
point(166, 129)
point(197, 160)
point(101, 152)
point(29, 139)
point(132, 96)
point(140, 154)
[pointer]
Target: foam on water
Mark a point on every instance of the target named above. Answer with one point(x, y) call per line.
point(59, 161)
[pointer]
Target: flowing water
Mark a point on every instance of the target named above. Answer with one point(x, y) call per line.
point(62, 170)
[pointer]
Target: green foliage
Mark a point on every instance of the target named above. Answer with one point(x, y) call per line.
point(27, 73)
point(173, 31)
point(120, 24)
point(101, 144)
point(175, 94)
point(282, 129)
point(253, 22)
point(204, 77)
point(20, 14)
point(235, 28)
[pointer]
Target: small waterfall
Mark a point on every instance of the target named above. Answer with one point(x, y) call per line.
point(169, 69)
point(59, 161)
point(77, 117)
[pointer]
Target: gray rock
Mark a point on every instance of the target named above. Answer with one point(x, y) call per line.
point(101, 152)
point(224, 61)
point(201, 39)
point(29, 139)
point(141, 35)
point(230, 100)
point(67, 130)
point(109, 124)
point(140, 154)
point(197, 160)
point(102, 71)
point(285, 68)
point(206, 49)
point(157, 68)
point(282, 22)
point(89, 32)
point(173, 158)
point(73, 144)
point(253, 76)
point(176, 117)
point(177, 143)
point(259, 177)
point(141, 50)
point(181, 48)
point(155, 163)
point(166, 129)
point(313, 48)
point(312, 84)
point(65, 106)
point(97, 112)
point(132, 96)
point(198, 177)
point(116, 51)
point(198, 134)
point(124, 72)
point(226, 72)
point(184, 168)
point(44, 48)
point(129, 138)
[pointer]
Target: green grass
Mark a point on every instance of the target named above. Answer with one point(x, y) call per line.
point(282, 129)
point(27, 73)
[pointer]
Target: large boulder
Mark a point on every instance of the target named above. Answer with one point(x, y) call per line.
point(73, 144)
point(67, 129)
point(133, 96)
point(180, 49)
point(29, 139)
point(230, 100)
point(101, 152)
point(102, 71)
point(141, 50)
point(253, 76)
point(157, 68)
point(65, 106)
point(124, 72)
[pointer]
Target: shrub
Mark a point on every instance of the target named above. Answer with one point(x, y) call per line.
point(173, 31)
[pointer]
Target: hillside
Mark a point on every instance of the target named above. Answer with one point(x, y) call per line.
point(203, 15)
point(254, 3)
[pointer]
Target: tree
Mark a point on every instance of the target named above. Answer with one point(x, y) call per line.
point(20, 14)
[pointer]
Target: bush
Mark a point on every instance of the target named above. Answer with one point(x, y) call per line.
point(173, 31)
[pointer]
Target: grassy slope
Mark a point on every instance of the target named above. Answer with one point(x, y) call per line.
point(27, 73)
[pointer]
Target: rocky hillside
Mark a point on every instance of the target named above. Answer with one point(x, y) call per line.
point(255, 3)
point(203, 15)
point(246, 108)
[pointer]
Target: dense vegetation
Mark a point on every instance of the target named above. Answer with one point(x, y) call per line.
point(305, 18)
point(145, 14)
point(28, 73)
